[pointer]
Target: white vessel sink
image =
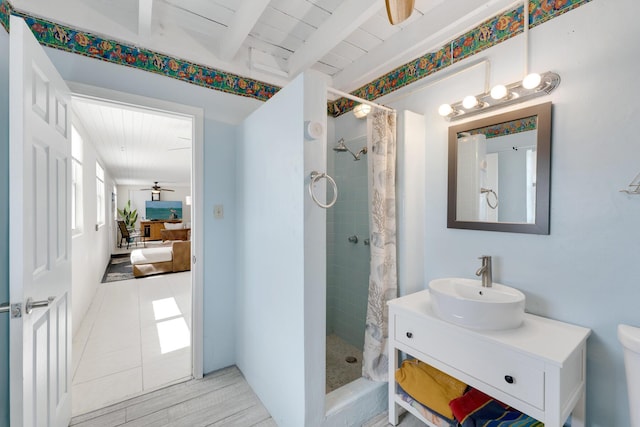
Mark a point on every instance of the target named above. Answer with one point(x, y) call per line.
point(466, 303)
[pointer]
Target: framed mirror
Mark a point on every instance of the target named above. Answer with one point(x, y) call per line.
point(499, 172)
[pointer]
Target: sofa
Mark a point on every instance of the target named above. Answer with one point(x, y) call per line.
point(170, 258)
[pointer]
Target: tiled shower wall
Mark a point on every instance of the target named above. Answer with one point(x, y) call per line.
point(348, 263)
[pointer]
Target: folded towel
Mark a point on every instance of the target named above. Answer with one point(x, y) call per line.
point(470, 402)
point(427, 413)
point(476, 409)
point(429, 386)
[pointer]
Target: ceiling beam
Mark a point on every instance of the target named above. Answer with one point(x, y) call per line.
point(343, 21)
point(242, 23)
point(145, 16)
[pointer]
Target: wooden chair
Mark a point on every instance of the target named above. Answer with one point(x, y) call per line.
point(128, 235)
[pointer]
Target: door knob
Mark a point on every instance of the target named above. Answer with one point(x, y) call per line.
point(31, 304)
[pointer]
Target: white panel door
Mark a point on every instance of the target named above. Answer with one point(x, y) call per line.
point(40, 237)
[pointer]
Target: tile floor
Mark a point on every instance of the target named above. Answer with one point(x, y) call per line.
point(338, 371)
point(136, 337)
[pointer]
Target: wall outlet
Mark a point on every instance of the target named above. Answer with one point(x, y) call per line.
point(218, 211)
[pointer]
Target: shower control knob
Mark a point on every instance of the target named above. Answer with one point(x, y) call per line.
point(409, 334)
point(509, 379)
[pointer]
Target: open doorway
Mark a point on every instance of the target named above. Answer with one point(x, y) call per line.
point(133, 335)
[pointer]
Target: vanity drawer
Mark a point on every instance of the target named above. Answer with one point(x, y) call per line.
point(506, 370)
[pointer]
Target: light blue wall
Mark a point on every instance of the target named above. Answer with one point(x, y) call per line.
point(281, 262)
point(348, 263)
point(4, 225)
point(586, 271)
point(219, 178)
point(270, 280)
point(219, 250)
point(315, 278)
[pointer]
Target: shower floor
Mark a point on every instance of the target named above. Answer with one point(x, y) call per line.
point(339, 371)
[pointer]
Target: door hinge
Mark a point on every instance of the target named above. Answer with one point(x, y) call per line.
point(16, 311)
point(194, 259)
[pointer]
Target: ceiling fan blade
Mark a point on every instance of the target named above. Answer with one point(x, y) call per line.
point(399, 10)
point(156, 188)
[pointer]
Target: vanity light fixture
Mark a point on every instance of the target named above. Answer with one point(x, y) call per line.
point(470, 102)
point(532, 86)
point(499, 92)
point(531, 81)
point(445, 110)
point(361, 111)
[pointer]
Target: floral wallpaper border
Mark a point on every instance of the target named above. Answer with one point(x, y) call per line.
point(84, 43)
point(524, 124)
point(489, 33)
point(5, 12)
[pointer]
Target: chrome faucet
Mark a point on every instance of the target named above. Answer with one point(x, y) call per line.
point(485, 271)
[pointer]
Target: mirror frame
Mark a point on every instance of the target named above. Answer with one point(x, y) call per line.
point(543, 172)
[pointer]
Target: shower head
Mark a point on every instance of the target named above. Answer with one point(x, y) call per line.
point(361, 152)
point(340, 147)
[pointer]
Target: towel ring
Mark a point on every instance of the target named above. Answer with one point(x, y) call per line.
point(490, 191)
point(315, 177)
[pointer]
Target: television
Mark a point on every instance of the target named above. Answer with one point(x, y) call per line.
point(159, 210)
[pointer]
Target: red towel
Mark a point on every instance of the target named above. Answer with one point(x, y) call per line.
point(470, 402)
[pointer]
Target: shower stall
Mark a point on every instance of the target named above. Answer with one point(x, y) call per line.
point(348, 259)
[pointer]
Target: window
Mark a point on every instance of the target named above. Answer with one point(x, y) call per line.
point(76, 181)
point(114, 202)
point(100, 194)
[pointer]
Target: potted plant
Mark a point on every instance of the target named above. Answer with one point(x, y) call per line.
point(128, 216)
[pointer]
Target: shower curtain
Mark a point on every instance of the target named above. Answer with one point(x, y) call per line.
point(381, 142)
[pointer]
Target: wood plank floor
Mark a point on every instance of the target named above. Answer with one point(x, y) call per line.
point(222, 398)
point(382, 420)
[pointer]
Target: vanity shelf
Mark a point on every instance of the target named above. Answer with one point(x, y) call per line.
point(538, 368)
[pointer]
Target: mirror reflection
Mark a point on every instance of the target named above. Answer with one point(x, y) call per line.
point(499, 172)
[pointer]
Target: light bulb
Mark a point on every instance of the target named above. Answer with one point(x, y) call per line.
point(361, 110)
point(469, 101)
point(445, 110)
point(499, 92)
point(531, 81)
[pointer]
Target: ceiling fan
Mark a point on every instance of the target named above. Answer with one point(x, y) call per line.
point(156, 188)
point(399, 10)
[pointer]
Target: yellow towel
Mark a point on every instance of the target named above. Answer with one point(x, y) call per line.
point(429, 386)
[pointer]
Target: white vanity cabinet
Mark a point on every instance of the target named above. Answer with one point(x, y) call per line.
point(539, 368)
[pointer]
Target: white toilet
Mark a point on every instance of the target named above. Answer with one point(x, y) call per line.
point(630, 339)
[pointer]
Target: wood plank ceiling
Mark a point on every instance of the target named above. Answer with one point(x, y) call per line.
point(138, 146)
point(349, 41)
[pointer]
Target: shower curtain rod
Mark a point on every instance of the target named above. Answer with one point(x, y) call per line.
point(357, 99)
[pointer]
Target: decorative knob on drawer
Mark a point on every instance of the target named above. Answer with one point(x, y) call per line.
point(409, 334)
point(509, 379)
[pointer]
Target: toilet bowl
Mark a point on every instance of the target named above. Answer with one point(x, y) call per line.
point(629, 336)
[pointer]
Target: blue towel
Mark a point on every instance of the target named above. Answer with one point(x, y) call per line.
point(477, 409)
point(493, 414)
